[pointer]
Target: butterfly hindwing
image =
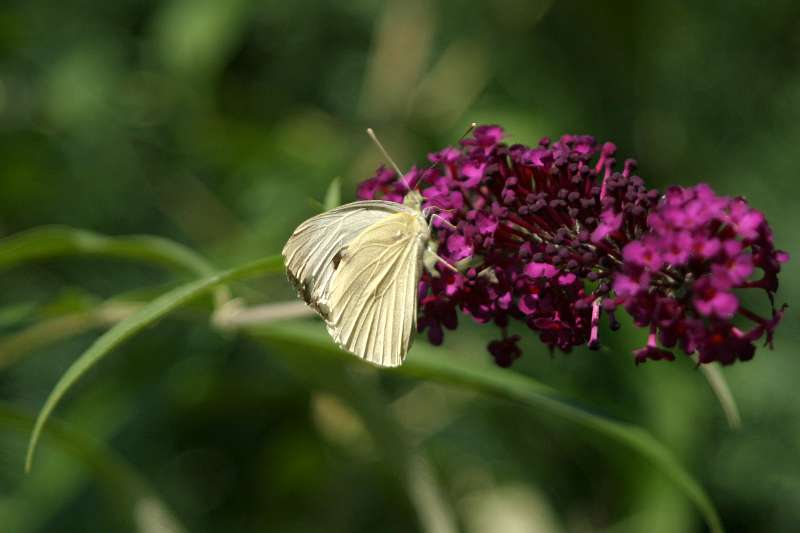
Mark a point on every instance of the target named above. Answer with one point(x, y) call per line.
point(373, 292)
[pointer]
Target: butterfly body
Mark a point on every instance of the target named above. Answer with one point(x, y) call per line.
point(359, 267)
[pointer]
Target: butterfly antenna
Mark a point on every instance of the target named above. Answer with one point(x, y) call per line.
point(386, 155)
point(472, 126)
point(374, 138)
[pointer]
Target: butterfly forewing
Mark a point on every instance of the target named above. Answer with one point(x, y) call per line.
point(373, 293)
point(310, 254)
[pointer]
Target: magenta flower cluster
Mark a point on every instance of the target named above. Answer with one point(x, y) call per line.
point(557, 235)
point(678, 279)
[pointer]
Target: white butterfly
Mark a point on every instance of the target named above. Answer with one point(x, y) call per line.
point(359, 267)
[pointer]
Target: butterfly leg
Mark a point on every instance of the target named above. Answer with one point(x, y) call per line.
point(444, 221)
point(430, 258)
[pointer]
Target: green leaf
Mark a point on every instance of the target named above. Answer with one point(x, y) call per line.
point(146, 316)
point(435, 365)
point(49, 241)
point(333, 196)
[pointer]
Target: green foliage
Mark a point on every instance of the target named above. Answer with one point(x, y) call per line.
point(220, 125)
point(49, 241)
point(430, 364)
point(333, 196)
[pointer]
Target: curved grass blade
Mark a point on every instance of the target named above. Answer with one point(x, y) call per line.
point(121, 478)
point(522, 388)
point(434, 365)
point(146, 316)
point(49, 241)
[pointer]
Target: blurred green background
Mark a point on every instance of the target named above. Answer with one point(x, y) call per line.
point(217, 123)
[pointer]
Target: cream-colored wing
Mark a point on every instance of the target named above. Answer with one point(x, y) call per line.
point(373, 296)
point(313, 248)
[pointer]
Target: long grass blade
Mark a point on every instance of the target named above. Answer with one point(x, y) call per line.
point(50, 241)
point(435, 365)
point(146, 316)
point(104, 463)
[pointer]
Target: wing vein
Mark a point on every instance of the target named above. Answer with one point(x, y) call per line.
point(372, 294)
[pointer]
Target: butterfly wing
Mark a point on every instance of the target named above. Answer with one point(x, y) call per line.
point(312, 251)
point(373, 294)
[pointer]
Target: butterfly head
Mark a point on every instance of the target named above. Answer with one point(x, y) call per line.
point(413, 199)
